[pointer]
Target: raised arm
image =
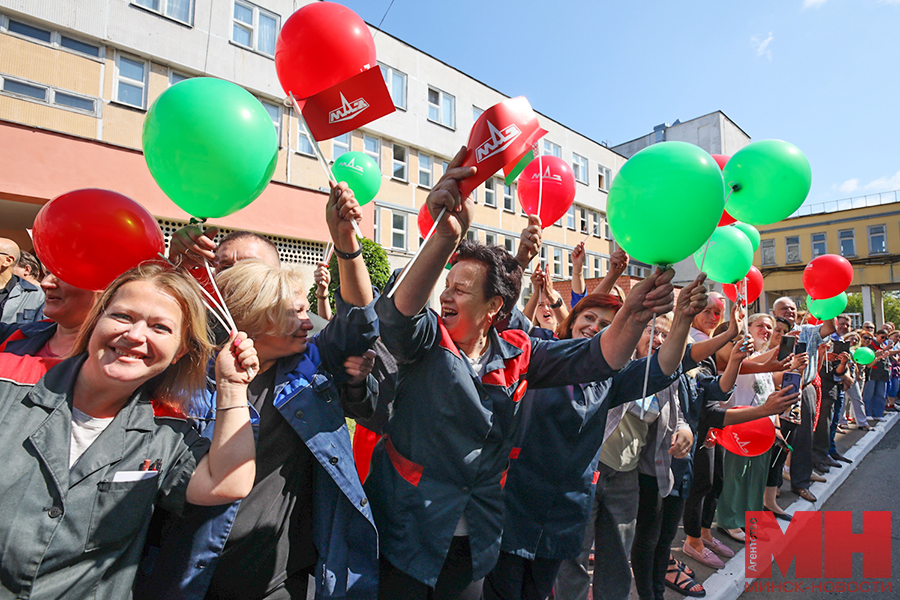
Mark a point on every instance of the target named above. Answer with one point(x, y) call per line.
point(340, 212)
point(323, 278)
point(705, 348)
point(691, 301)
point(416, 288)
point(227, 472)
point(578, 285)
point(618, 262)
point(537, 282)
point(190, 245)
point(529, 242)
point(653, 296)
point(554, 298)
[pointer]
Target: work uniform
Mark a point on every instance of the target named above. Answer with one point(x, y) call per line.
point(447, 445)
point(78, 533)
point(26, 338)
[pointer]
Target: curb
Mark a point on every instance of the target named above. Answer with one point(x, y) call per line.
point(728, 583)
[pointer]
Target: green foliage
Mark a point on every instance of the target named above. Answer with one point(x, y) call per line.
point(891, 302)
point(376, 262)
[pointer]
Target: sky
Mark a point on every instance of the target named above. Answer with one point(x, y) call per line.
point(821, 74)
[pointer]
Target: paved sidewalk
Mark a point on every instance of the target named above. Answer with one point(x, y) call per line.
point(728, 583)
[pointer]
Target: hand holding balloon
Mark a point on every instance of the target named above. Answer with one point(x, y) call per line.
point(191, 245)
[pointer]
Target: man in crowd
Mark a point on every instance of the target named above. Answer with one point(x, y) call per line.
point(29, 268)
point(812, 336)
point(20, 301)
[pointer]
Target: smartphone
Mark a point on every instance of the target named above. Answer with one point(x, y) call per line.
point(786, 346)
point(800, 348)
point(791, 378)
point(839, 347)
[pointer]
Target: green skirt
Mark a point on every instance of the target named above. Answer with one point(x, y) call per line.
point(743, 488)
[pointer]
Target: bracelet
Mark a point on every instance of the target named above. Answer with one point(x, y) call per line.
point(322, 297)
point(557, 304)
point(218, 408)
point(348, 255)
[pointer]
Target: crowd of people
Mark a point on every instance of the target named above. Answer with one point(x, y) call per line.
point(150, 452)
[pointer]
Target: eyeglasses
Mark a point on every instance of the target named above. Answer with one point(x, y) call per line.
point(868, 339)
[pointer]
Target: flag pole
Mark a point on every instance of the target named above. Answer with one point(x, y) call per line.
point(418, 252)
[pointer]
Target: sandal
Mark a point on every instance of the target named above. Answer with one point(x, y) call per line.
point(683, 566)
point(683, 583)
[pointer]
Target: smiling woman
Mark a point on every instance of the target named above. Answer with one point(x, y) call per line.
point(106, 421)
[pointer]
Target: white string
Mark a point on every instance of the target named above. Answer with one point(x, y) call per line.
point(319, 154)
point(706, 248)
point(418, 252)
point(225, 312)
point(647, 366)
point(540, 187)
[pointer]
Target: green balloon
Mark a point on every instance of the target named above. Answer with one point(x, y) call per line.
point(210, 145)
point(665, 202)
point(728, 255)
point(360, 172)
point(864, 356)
point(751, 232)
point(769, 180)
point(827, 308)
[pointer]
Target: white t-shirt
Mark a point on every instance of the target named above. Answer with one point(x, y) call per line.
point(85, 429)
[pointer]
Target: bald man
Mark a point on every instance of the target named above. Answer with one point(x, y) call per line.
point(20, 301)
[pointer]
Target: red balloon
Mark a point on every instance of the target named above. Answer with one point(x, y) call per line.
point(811, 320)
point(726, 219)
point(89, 237)
point(321, 45)
point(720, 159)
point(754, 287)
point(827, 276)
point(424, 221)
point(752, 438)
point(558, 191)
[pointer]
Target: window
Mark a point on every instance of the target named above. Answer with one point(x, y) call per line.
point(571, 266)
point(396, 84)
point(180, 10)
point(398, 230)
point(131, 80)
point(510, 244)
point(426, 170)
point(399, 163)
point(372, 147)
point(304, 144)
point(376, 218)
point(819, 245)
point(767, 249)
point(877, 240)
point(176, 77)
point(605, 178)
point(847, 242)
point(53, 38)
point(476, 113)
point(340, 145)
point(580, 168)
point(597, 267)
point(509, 198)
point(441, 108)
point(552, 149)
point(472, 235)
point(490, 197)
point(596, 230)
point(570, 217)
point(274, 111)
point(490, 239)
point(607, 233)
point(557, 261)
point(792, 249)
point(36, 92)
point(583, 220)
point(254, 27)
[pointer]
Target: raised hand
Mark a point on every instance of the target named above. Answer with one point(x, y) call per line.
point(237, 363)
point(446, 194)
point(692, 299)
point(359, 367)
point(190, 246)
point(653, 296)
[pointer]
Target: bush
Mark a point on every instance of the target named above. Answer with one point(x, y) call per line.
point(376, 262)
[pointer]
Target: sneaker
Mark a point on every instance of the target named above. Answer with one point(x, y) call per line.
point(718, 547)
point(706, 557)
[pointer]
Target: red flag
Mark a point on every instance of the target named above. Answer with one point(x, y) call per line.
point(348, 105)
point(501, 135)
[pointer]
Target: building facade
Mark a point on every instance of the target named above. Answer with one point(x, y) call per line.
point(866, 231)
point(78, 76)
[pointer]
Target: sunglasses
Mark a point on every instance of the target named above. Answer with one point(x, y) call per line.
point(868, 339)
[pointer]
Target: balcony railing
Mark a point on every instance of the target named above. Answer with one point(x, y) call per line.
point(847, 203)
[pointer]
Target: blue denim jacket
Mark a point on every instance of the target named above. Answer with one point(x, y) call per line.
point(306, 394)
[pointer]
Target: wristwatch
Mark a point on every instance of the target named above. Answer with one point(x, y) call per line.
point(557, 304)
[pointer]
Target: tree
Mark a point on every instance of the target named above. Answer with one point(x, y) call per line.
point(890, 300)
point(376, 262)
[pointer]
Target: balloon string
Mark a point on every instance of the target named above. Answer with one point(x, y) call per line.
point(706, 247)
point(319, 154)
point(208, 301)
point(418, 252)
point(329, 248)
point(540, 185)
point(647, 366)
point(747, 307)
point(225, 312)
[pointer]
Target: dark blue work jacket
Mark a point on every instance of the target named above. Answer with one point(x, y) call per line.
point(344, 532)
point(26, 338)
point(448, 441)
point(552, 474)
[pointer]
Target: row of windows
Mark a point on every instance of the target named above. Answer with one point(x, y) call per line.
point(876, 236)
